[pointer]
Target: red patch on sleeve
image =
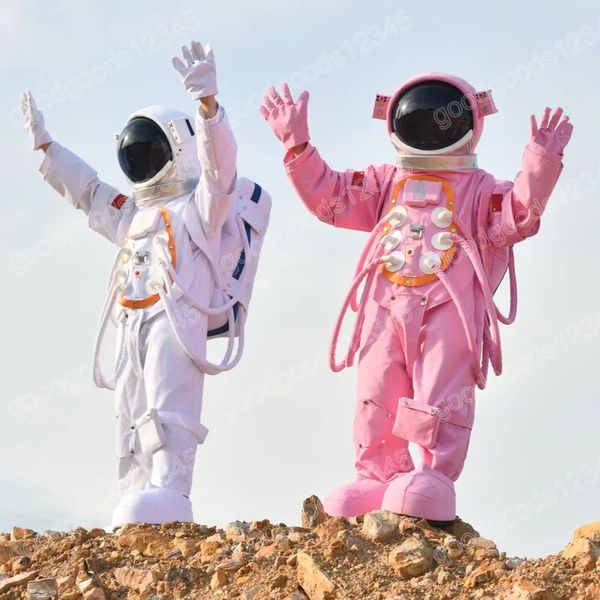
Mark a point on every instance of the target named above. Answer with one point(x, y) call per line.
point(119, 201)
point(497, 202)
point(358, 178)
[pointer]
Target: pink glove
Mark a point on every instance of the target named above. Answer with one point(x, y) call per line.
point(288, 119)
point(552, 135)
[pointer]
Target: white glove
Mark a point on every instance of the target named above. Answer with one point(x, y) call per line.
point(34, 121)
point(200, 74)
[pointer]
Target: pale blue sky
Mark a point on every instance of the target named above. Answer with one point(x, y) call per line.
point(281, 423)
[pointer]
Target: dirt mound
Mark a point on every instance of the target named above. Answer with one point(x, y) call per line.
point(382, 556)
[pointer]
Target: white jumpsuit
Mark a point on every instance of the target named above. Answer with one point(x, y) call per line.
point(158, 386)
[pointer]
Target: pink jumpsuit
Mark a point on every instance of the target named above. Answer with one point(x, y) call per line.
point(423, 341)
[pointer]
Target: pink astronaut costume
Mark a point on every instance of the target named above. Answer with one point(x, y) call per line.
point(442, 232)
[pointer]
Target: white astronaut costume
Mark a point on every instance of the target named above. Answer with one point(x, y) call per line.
point(190, 236)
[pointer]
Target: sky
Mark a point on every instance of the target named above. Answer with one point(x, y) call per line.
point(280, 423)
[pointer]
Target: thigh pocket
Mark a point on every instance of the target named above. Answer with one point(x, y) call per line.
point(151, 432)
point(417, 422)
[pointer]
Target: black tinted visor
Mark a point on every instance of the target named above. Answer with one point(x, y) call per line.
point(432, 116)
point(143, 149)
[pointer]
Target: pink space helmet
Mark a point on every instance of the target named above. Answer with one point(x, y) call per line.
point(435, 114)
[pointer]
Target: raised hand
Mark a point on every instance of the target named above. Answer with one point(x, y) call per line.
point(553, 134)
point(199, 72)
point(34, 122)
point(288, 119)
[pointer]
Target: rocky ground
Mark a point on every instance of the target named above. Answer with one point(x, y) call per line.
point(381, 557)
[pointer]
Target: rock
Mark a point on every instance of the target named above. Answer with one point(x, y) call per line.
point(329, 530)
point(19, 563)
point(140, 580)
point(266, 551)
point(525, 590)
point(17, 581)
point(297, 595)
point(219, 579)
point(145, 542)
point(65, 582)
point(412, 558)
point(261, 526)
point(482, 548)
point(21, 533)
point(5, 552)
point(42, 589)
point(461, 531)
point(280, 581)
point(209, 548)
point(381, 525)
point(312, 579)
point(94, 594)
point(313, 513)
point(581, 547)
point(484, 573)
point(453, 547)
point(590, 531)
point(237, 531)
point(513, 562)
point(188, 547)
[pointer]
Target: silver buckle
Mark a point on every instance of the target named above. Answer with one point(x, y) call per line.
point(415, 231)
point(141, 258)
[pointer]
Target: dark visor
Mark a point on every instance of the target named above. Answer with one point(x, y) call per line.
point(432, 116)
point(143, 149)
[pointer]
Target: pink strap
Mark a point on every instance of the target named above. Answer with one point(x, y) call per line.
point(352, 302)
point(355, 339)
point(512, 313)
point(477, 370)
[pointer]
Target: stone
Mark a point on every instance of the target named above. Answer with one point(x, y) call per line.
point(581, 547)
point(21, 533)
point(19, 563)
point(482, 548)
point(313, 513)
point(525, 590)
point(280, 581)
point(219, 579)
point(266, 551)
point(65, 582)
point(188, 547)
point(329, 529)
point(411, 558)
point(86, 585)
point(95, 593)
point(298, 595)
point(237, 531)
point(590, 531)
point(461, 531)
point(381, 525)
point(145, 542)
point(514, 562)
point(173, 553)
point(5, 552)
point(209, 548)
point(42, 589)
point(139, 580)
point(453, 547)
point(17, 581)
point(312, 579)
point(484, 573)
